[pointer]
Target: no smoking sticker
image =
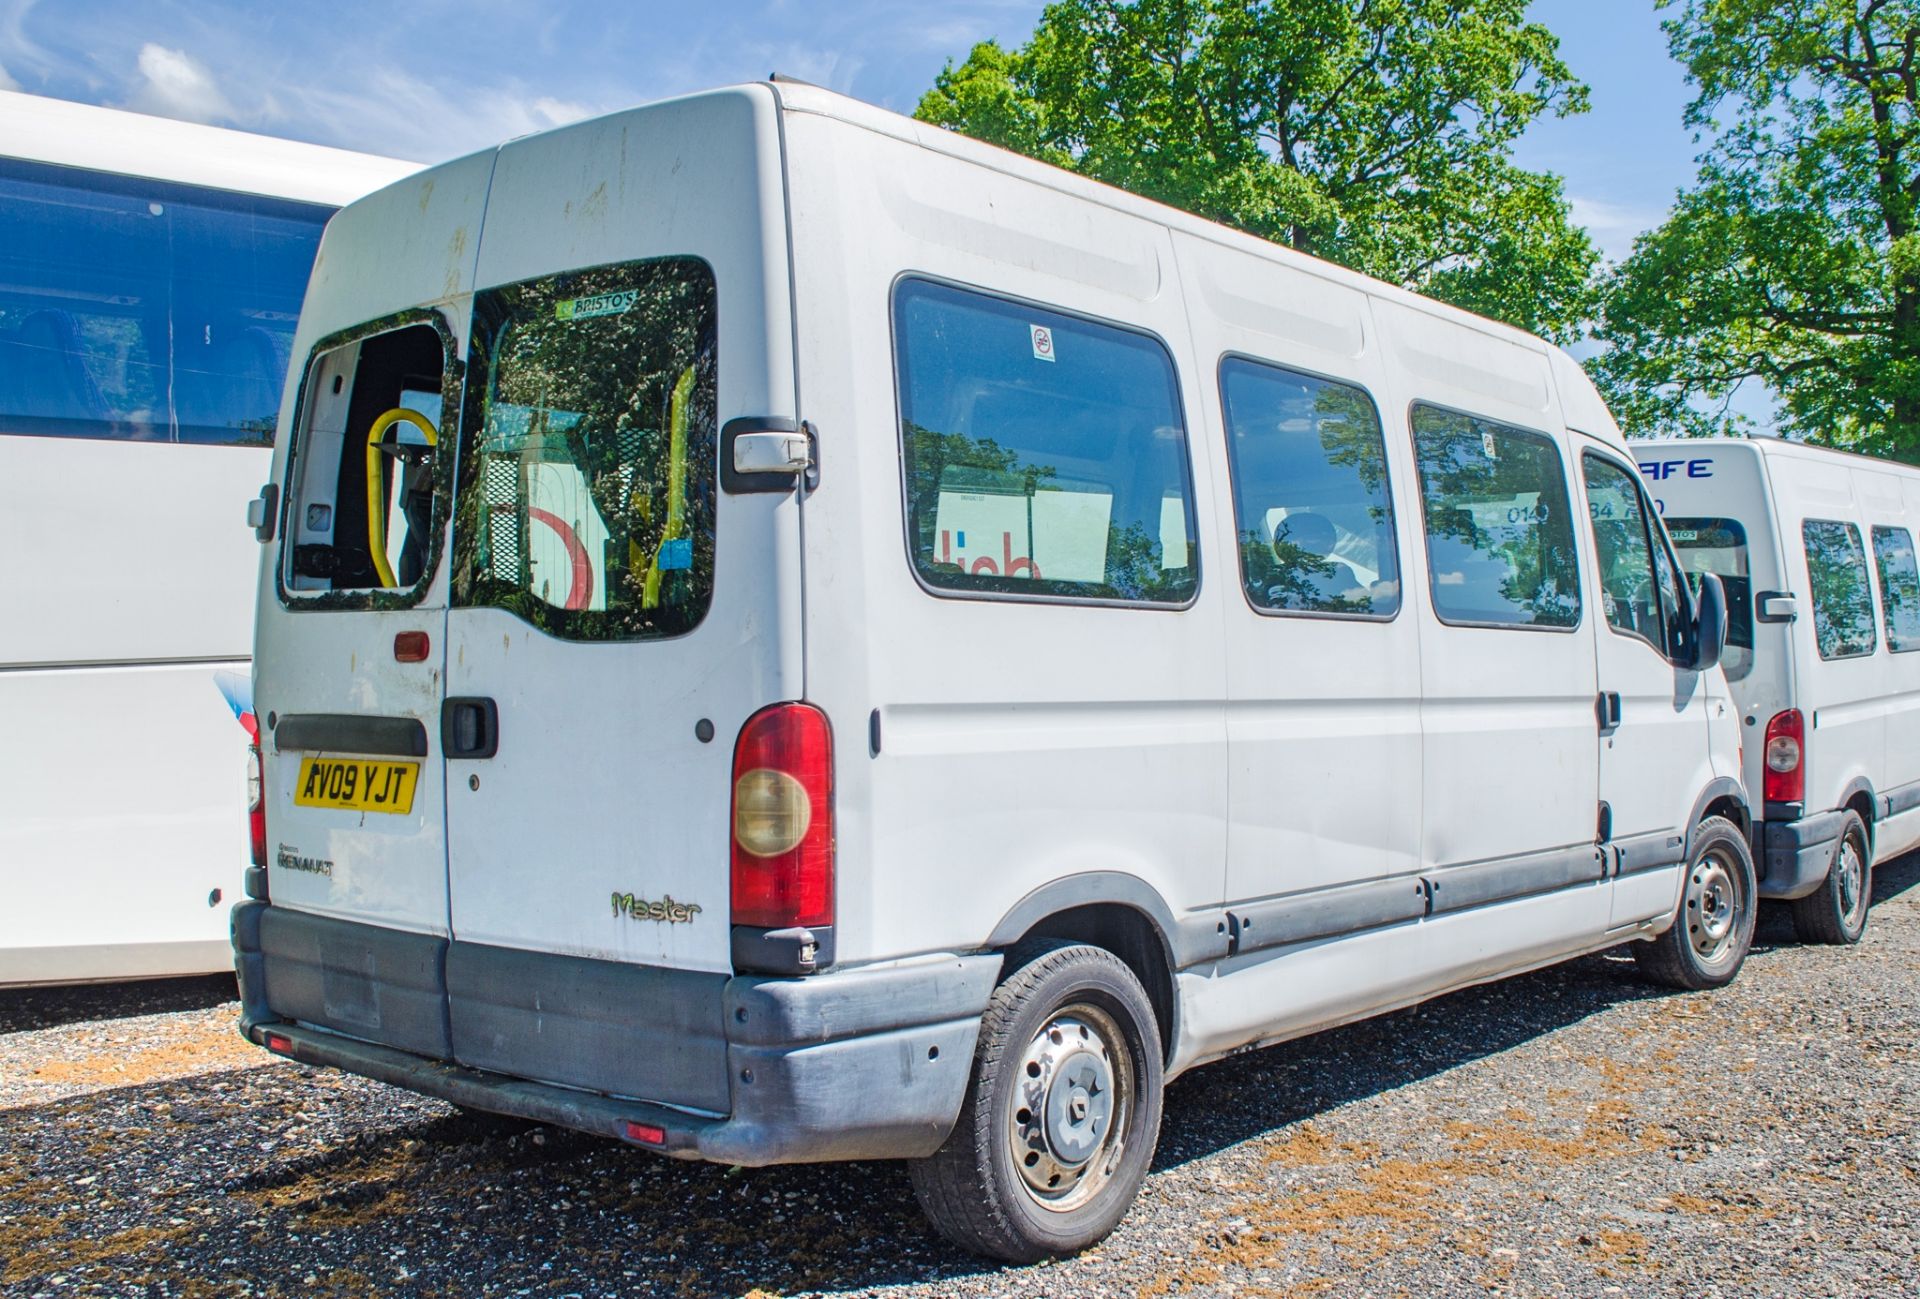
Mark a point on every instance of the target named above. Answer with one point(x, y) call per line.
point(1042, 342)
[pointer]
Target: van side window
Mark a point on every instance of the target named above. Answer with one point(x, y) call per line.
point(1639, 591)
point(1045, 454)
point(1842, 600)
point(1310, 497)
point(1500, 547)
point(1899, 587)
point(588, 452)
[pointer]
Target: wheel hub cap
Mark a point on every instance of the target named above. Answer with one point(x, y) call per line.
point(1712, 908)
point(1070, 1107)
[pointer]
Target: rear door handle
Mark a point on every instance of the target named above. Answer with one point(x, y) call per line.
point(1608, 709)
point(469, 727)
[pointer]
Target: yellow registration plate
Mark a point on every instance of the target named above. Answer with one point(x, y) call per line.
point(357, 784)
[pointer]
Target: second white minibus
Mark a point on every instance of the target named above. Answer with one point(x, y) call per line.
point(1815, 549)
point(786, 634)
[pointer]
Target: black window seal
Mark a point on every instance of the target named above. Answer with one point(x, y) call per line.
point(1426, 535)
point(899, 428)
point(1233, 488)
point(452, 384)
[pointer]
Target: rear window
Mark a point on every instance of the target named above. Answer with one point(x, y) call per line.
point(1719, 546)
point(588, 452)
point(1899, 587)
point(1045, 454)
point(1500, 543)
point(1842, 597)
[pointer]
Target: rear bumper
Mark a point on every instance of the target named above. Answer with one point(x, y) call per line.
point(861, 1064)
point(1793, 856)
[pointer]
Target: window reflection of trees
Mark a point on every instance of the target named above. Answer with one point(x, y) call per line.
point(1458, 469)
point(1277, 570)
point(1842, 601)
point(601, 394)
point(1899, 587)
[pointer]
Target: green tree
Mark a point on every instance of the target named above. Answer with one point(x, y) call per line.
point(1374, 133)
point(1794, 260)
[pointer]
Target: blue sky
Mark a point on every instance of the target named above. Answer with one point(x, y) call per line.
point(428, 79)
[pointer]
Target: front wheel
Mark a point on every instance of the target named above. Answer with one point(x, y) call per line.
point(1836, 912)
point(1708, 940)
point(1062, 1113)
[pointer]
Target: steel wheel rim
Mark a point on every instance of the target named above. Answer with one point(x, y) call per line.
point(1849, 879)
point(1072, 1101)
point(1715, 907)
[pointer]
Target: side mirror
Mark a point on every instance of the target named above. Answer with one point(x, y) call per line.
point(1709, 623)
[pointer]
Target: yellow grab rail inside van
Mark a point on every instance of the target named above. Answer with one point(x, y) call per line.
point(676, 524)
point(376, 500)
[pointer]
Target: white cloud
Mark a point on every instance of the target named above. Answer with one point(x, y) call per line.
point(1613, 226)
point(558, 112)
point(175, 84)
point(6, 81)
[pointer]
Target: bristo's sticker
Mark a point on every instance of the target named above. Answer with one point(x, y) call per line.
point(677, 553)
point(603, 304)
point(1042, 342)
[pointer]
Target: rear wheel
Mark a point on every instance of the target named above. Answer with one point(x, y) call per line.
point(1836, 912)
point(1061, 1115)
point(1708, 940)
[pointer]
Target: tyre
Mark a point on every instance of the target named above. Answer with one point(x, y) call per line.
point(1061, 1115)
point(1836, 912)
point(1713, 928)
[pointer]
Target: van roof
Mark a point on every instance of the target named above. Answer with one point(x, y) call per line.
point(34, 128)
point(1788, 448)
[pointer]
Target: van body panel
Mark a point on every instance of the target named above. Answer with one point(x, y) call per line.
point(1018, 743)
point(1275, 995)
point(1323, 714)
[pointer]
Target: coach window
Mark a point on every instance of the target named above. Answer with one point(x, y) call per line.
point(1899, 587)
point(1311, 504)
point(146, 310)
point(1842, 599)
point(1500, 549)
point(1045, 454)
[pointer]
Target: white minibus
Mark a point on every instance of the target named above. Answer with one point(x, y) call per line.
point(150, 276)
point(1815, 549)
point(786, 634)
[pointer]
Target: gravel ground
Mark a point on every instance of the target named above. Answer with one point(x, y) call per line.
point(1569, 1132)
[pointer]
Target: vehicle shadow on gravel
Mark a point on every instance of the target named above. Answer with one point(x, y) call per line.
point(22, 1010)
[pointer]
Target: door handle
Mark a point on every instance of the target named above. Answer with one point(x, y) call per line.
point(1608, 709)
point(469, 727)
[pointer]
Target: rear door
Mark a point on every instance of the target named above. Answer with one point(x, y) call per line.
point(352, 603)
point(615, 619)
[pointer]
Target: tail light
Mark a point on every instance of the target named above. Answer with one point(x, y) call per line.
point(1786, 778)
point(783, 819)
point(256, 791)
